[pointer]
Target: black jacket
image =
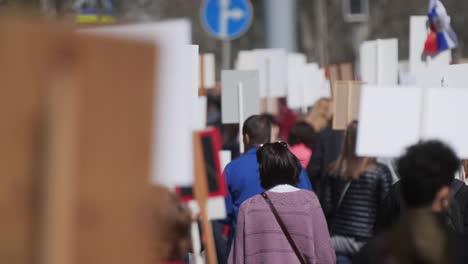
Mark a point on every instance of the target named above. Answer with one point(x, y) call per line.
point(325, 150)
point(456, 218)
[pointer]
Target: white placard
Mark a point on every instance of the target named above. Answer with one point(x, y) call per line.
point(209, 71)
point(272, 68)
point(246, 60)
point(215, 206)
point(368, 61)
point(230, 81)
point(389, 120)
point(172, 159)
point(314, 84)
point(418, 36)
point(225, 156)
point(379, 62)
point(296, 63)
point(446, 110)
point(455, 76)
point(199, 104)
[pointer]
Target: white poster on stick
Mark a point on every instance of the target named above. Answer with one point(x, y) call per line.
point(209, 68)
point(230, 82)
point(389, 120)
point(418, 36)
point(379, 62)
point(173, 145)
point(296, 63)
point(272, 68)
point(445, 112)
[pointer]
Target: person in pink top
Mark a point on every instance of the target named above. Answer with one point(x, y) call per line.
point(300, 140)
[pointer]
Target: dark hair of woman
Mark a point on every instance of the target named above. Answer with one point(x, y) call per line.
point(303, 133)
point(348, 165)
point(277, 165)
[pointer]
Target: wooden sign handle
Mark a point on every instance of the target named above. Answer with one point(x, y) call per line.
point(201, 195)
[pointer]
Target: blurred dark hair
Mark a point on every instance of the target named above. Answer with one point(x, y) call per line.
point(277, 165)
point(424, 169)
point(348, 165)
point(273, 120)
point(258, 128)
point(172, 222)
point(303, 133)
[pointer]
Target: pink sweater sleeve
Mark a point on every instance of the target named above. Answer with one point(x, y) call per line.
point(236, 254)
point(325, 253)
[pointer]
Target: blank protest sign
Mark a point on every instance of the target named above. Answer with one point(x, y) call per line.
point(455, 76)
point(379, 61)
point(296, 62)
point(389, 120)
point(418, 35)
point(172, 159)
point(272, 66)
point(230, 81)
point(445, 114)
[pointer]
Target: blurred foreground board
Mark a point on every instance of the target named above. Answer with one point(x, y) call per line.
point(75, 128)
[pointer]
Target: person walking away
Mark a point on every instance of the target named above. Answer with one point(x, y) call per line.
point(355, 188)
point(282, 224)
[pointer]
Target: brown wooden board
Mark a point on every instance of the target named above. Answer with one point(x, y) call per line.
point(75, 129)
point(346, 72)
point(26, 53)
point(114, 85)
point(346, 102)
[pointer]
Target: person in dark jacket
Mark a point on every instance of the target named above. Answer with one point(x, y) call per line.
point(456, 217)
point(354, 190)
point(421, 234)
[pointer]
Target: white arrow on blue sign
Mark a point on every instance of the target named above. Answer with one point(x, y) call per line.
point(226, 19)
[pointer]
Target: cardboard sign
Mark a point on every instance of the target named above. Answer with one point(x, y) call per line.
point(379, 61)
point(346, 71)
point(172, 159)
point(272, 66)
point(389, 120)
point(346, 103)
point(76, 135)
point(230, 81)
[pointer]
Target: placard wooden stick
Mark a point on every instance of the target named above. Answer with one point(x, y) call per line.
point(201, 195)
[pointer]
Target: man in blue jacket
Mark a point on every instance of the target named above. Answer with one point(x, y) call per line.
point(242, 177)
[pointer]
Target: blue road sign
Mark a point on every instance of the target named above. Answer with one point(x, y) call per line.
point(226, 19)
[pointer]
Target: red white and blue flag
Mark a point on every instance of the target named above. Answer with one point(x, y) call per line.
point(441, 35)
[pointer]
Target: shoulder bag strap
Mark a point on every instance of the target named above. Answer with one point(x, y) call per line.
point(343, 193)
point(283, 227)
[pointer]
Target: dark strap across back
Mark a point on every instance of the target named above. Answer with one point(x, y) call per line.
point(283, 227)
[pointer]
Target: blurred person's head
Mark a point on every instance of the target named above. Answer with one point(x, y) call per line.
point(301, 133)
point(275, 127)
point(320, 114)
point(256, 131)
point(427, 171)
point(277, 165)
point(348, 165)
point(172, 220)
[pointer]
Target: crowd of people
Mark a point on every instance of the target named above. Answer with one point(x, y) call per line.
point(311, 199)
